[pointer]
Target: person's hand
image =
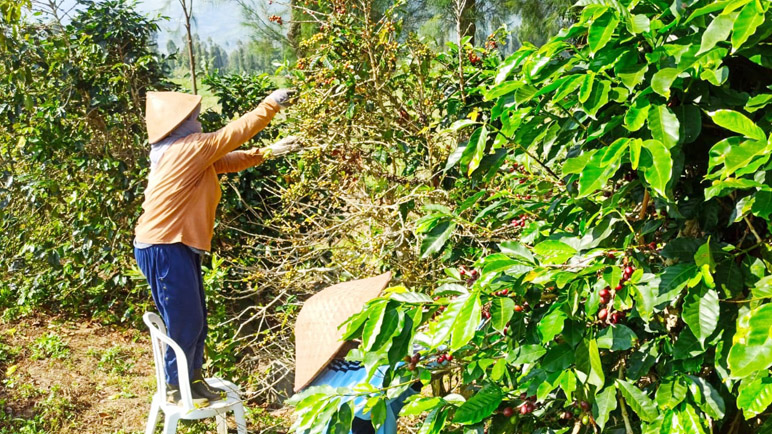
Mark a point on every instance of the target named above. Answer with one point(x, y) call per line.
point(283, 146)
point(283, 97)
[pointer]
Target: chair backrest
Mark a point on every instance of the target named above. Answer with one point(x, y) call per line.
point(160, 341)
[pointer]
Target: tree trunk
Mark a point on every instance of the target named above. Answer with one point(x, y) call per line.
point(293, 34)
point(191, 55)
point(468, 16)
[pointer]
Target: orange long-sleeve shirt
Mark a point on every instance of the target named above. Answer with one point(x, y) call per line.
point(183, 190)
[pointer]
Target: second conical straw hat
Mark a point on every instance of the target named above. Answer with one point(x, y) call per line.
point(317, 337)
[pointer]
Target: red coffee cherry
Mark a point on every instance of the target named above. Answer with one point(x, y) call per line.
point(602, 314)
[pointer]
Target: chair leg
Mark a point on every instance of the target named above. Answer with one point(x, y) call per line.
point(222, 423)
point(170, 424)
point(152, 418)
point(241, 421)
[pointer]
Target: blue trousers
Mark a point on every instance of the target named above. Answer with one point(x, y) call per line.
point(174, 274)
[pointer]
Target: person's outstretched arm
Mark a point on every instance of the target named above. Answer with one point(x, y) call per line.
point(237, 161)
point(218, 144)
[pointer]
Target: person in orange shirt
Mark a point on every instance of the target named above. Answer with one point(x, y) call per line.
point(177, 223)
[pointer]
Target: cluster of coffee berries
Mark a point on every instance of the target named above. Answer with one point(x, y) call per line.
point(519, 221)
point(606, 295)
point(276, 19)
point(529, 404)
point(516, 168)
point(583, 407)
point(527, 407)
point(523, 196)
point(444, 357)
point(470, 275)
point(486, 312)
point(502, 293)
point(412, 361)
point(473, 58)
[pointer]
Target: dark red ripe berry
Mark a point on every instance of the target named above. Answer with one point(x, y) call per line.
point(523, 396)
point(605, 292)
point(475, 273)
point(585, 405)
point(511, 169)
point(652, 245)
point(610, 255)
point(629, 270)
point(504, 291)
point(416, 357)
point(486, 314)
point(605, 300)
point(532, 398)
point(522, 180)
point(518, 308)
point(527, 408)
point(508, 412)
point(441, 358)
point(448, 357)
point(619, 287)
point(566, 415)
point(462, 272)
point(602, 314)
point(615, 317)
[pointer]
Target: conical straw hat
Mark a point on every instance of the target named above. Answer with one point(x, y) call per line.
point(165, 111)
point(317, 337)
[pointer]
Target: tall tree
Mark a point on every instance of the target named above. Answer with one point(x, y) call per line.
point(542, 19)
point(187, 10)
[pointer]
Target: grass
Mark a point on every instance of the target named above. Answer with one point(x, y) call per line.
point(49, 346)
point(208, 100)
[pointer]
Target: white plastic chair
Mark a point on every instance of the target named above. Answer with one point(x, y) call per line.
point(173, 413)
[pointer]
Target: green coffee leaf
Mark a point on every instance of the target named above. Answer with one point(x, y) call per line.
point(502, 309)
point(701, 312)
point(670, 393)
point(605, 403)
point(738, 123)
point(751, 350)
point(467, 321)
point(664, 125)
point(641, 404)
point(481, 405)
point(552, 323)
point(554, 252)
point(601, 30)
point(746, 24)
point(663, 79)
point(707, 397)
point(657, 166)
point(755, 397)
point(589, 368)
point(718, 30)
point(436, 238)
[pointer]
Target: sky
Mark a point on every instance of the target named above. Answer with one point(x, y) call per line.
point(220, 20)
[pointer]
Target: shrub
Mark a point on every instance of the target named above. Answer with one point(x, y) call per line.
point(620, 176)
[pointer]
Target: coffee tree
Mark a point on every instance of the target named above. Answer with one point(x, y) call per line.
point(618, 180)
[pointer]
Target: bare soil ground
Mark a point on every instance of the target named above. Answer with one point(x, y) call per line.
point(60, 376)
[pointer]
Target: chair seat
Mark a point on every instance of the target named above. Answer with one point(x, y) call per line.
point(211, 410)
point(172, 412)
